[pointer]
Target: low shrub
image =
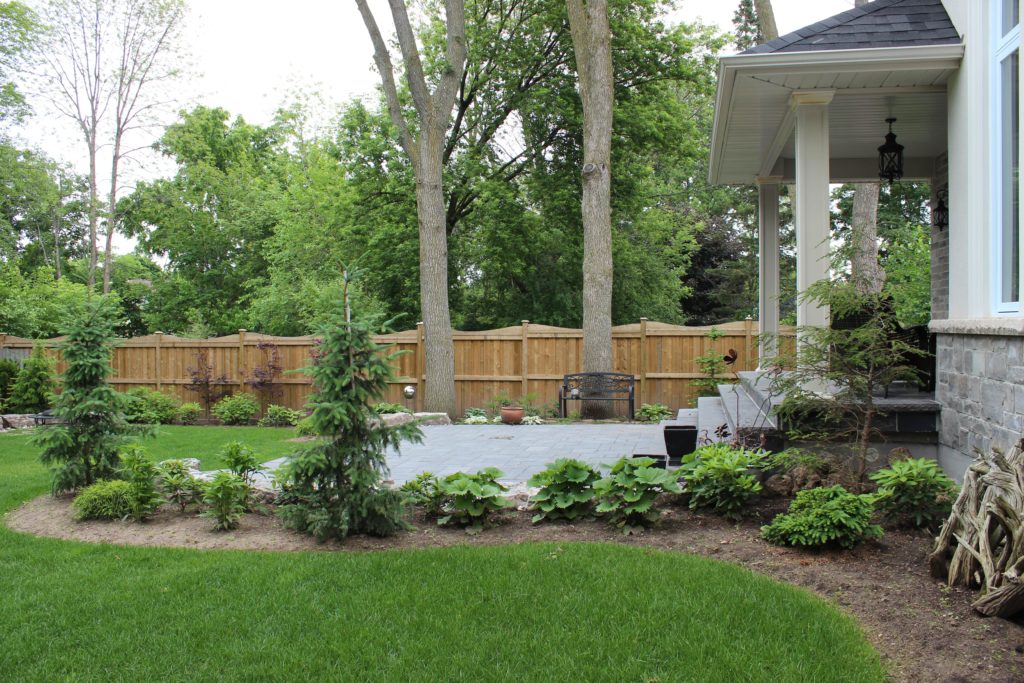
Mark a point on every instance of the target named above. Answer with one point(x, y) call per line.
point(914, 491)
point(798, 458)
point(178, 485)
point(107, 499)
point(280, 416)
point(226, 495)
point(653, 412)
point(425, 489)
point(628, 493)
point(720, 479)
point(140, 473)
point(236, 410)
point(532, 420)
point(148, 406)
point(305, 427)
point(188, 413)
point(241, 460)
point(566, 490)
point(476, 420)
point(473, 499)
point(824, 517)
point(390, 408)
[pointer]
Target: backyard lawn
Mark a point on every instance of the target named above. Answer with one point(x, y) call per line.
point(530, 612)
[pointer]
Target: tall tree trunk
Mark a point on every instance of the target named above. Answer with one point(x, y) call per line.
point(111, 213)
point(865, 269)
point(93, 216)
point(56, 241)
point(766, 19)
point(591, 39)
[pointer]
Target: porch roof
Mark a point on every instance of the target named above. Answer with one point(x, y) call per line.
point(890, 58)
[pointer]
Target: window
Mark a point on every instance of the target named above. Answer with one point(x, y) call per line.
point(1006, 155)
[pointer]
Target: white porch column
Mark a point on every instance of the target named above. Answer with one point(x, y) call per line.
point(812, 199)
point(768, 267)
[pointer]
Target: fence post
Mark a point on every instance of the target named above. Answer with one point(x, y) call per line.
point(644, 398)
point(241, 361)
point(750, 343)
point(159, 366)
point(526, 357)
point(421, 367)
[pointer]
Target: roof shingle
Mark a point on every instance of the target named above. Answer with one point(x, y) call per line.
point(882, 23)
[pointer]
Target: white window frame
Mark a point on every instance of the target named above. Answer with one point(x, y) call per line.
point(1001, 47)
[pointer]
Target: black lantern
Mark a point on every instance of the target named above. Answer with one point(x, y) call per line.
point(890, 157)
point(940, 212)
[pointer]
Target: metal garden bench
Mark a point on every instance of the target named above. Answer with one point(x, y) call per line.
point(597, 386)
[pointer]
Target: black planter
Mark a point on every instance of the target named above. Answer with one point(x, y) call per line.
point(679, 441)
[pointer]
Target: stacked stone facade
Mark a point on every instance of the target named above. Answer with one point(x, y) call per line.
point(981, 388)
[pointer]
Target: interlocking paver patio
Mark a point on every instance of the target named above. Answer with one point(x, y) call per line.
point(518, 451)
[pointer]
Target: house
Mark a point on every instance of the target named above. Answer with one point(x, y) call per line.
point(810, 108)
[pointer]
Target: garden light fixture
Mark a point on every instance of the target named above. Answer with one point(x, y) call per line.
point(890, 157)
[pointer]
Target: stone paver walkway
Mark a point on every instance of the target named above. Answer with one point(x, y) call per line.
point(518, 451)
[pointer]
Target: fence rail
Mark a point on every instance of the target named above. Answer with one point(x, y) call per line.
point(526, 359)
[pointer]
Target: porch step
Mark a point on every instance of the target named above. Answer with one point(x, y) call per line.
point(710, 416)
point(744, 412)
point(685, 417)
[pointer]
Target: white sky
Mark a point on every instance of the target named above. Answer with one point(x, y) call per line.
point(249, 56)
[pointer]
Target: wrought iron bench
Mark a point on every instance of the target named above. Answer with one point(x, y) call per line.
point(596, 386)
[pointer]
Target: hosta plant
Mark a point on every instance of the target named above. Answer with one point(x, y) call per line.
point(825, 517)
point(720, 479)
point(653, 412)
point(628, 493)
point(566, 490)
point(476, 420)
point(474, 499)
point(226, 495)
point(914, 491)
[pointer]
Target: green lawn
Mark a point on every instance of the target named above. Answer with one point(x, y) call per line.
point(205, 443)
point(569, 612)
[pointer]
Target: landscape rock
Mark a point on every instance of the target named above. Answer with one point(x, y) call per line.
point(778, 485)
point(16, 421)
point(432, 418)
point(396, 419)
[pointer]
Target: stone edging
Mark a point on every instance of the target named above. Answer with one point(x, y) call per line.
point(999, 327)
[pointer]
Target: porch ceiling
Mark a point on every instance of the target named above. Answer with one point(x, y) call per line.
point(754, 120)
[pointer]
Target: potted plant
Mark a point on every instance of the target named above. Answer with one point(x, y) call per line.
point(512, 414)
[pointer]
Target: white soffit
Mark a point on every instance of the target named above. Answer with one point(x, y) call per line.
point(753, 121)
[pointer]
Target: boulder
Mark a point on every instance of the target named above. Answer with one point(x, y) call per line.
point(16, 421)
point(396, 419)
point(432, 418)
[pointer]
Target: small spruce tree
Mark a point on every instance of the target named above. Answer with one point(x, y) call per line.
point(334, 487)
point(33, 389)
point(83, 448)
point(8, 374)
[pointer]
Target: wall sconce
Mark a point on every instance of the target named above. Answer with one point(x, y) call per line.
point(940, 212)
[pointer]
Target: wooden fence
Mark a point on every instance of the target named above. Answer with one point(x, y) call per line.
point(517, 361)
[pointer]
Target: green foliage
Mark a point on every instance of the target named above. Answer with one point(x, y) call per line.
point(32, 391)
point(188, 413)
point(336, 482)
point(178, 485)
point(473, 499)
point(476, 412)
point(653, 412)
point(824, 517)
point(148, 406)
point(721, 479)
point(385, 408)
point(36, 305)
point(712, 365)
point(84, 447)
point(241, 460)
point(425, 489)
point(915, 490)
point(106, 499)
point(227, 495)
point(9, 370)
point(628, 493)
point(566, 490)
point(140, 472)
point(280, 416)
point(238, 409)
point(305, 427)
point(792, 458)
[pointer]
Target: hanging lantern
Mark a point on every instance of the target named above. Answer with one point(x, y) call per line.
point(940, 212)
point(890, 157)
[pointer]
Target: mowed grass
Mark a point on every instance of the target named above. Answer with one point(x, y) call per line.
point(205, 443)
point(534, 612)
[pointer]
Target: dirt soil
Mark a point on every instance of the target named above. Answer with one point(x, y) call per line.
point(924, 630)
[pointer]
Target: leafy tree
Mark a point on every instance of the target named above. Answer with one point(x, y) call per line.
point(37, 305)
point(19, 28)
point(33, 389)
point(334, 486)
point(83, 448)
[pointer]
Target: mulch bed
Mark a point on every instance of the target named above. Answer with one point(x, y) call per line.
point(924, 631)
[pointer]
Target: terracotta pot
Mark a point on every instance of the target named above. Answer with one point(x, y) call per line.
point(512, 415)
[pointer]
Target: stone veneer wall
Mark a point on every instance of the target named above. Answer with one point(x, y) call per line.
point(981, 388)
